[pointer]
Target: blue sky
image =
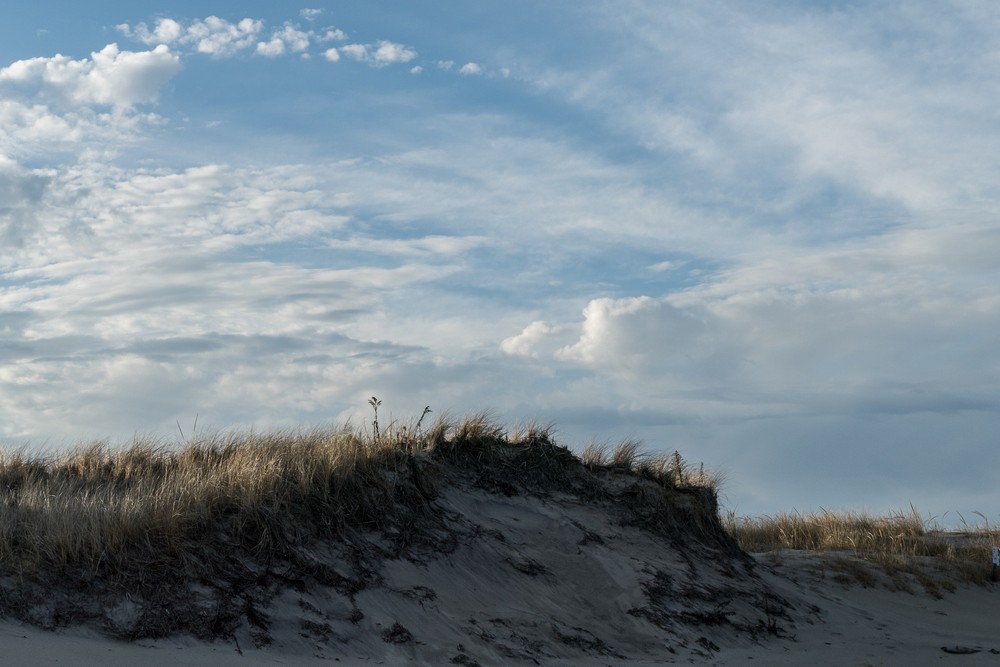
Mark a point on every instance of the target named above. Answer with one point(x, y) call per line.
point(764, 235)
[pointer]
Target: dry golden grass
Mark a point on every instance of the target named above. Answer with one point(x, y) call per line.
point(97, 504)
point(103, 509)
point(672, 469)
point(901, 543)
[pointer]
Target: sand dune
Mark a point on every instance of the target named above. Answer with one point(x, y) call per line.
point(601, 566)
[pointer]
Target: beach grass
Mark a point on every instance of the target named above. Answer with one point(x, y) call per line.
point(150, 519)
point(901, 543)
point(103, 509)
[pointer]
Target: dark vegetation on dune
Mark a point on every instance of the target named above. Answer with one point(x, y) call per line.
point(148, 541)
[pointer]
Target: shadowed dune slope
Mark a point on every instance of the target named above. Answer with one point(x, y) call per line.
point(465, 543)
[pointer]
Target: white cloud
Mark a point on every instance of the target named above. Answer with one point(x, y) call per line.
point(528, 342)
point(355, 51)
point(21, 193)
point(27, 124)
point(386, 53)
point(219, 37)
point(869, 328)
point(166, 31)
point(379, 54)
point(163, 274)
point(666, 265)
point(435, 245)
point(211, 35)
point(333, 35)
point(297, 40)
point(109, 77)
point(142, 33)
point(819, 95)
point(288, 37)
point(416, 69)
point(469, 69)
point(445, 64)
point(273, 48)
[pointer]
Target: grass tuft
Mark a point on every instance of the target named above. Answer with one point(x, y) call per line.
point(901, 543)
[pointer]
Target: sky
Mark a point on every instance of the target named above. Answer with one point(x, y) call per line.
point(762, 234)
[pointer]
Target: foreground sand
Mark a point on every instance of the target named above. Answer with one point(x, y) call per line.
point(850, 624)
point(553, 581)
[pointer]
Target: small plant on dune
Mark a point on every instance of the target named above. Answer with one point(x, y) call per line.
point(427, 411)
point(375, 403)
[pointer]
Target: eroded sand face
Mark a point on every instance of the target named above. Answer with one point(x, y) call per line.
point(507, 576)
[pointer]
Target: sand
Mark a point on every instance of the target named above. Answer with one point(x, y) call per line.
point(850, 624)
point(561, 579)
point(834, 625)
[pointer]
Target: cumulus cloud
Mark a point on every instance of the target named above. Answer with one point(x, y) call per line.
point(469, 69)
point(212, 35)
point(219, 37)
point(529, 341)
point(273, 48)
point(333, 35)
point(649, 338)
point(379, 54)
point(110, 77)
point(33, 124)
point(856, 329)
point(288, 37)
point(166, 31)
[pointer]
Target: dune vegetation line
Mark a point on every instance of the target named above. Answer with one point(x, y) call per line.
point(902, 543)
point(105, 509)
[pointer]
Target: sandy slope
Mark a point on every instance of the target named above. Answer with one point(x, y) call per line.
point(849, 624)
point(587, 574)
point(853, 626)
